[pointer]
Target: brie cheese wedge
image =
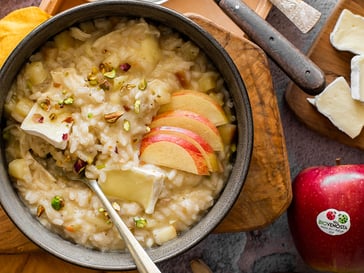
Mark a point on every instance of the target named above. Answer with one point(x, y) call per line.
point(137, 184)
point(336, 103)
point(357, 78)
point(54, 130)
point(348, 33)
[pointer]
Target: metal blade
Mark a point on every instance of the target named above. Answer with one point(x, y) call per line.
point(301, 14)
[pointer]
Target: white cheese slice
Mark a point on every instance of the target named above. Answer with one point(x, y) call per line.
point(56, 131)
point(137, 185)
point(357, 78)
point(348, 33)
point(336, 103)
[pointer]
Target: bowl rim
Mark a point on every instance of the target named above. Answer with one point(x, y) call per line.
point(95, 259)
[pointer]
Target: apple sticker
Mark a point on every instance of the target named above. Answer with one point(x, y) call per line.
point(333, 222)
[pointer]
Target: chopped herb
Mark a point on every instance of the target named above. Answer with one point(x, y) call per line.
point(57, 202)
point(90, 115)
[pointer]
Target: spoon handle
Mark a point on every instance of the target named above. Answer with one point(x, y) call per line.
point(143, 262)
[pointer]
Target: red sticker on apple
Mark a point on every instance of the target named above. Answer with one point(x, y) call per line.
point(333, 222)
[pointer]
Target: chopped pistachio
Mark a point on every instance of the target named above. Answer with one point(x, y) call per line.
point(110, 74)
point(52, 116)
point(57, 202)
point(126, 125)
point(90, 115)
point(113, 117)
point(40, 210)
point(116, 206)
point(105, 85)
point(45, 104)
point(140, 222)
point(137, 106)
point(142, 84)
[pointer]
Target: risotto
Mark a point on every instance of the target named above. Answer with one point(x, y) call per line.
point(115, 99)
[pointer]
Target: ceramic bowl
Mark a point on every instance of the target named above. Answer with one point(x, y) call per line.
point(95, 259)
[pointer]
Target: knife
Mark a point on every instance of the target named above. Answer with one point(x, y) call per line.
point(306, 74)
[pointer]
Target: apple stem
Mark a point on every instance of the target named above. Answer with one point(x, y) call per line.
point(338, 161)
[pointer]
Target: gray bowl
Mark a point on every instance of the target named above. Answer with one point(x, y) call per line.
point(95, 259)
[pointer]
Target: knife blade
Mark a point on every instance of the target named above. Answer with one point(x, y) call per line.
point(301, 14)
point(306, 74)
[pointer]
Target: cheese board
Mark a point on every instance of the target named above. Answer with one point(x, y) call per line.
point(334, 63)
point(267, 191)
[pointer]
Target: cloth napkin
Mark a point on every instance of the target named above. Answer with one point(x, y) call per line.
point(16, 25)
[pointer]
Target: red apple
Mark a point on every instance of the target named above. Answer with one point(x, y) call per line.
point(205, 148)
point(174, 152)
point(326, 217)
point(193, 122)
point(197, 102)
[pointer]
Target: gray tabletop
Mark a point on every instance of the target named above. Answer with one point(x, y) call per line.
point(270, 249)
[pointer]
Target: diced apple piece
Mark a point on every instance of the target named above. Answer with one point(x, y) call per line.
point(173, 152)
point(36, 73)
point(138, 185)
point(205, 148)
point(19, 168)
point(64, 40)
point(197, 102)
point(208, 81)
point(193, 122)
point(227, 133)
point(164, 234)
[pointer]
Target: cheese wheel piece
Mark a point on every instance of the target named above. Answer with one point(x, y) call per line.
point(336, 103)
point(357, 79)
point(348, 33)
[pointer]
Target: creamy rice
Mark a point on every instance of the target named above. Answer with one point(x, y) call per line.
point(111, 65)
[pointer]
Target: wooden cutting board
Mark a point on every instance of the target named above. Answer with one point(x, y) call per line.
point(334, 63)
point(267, 191)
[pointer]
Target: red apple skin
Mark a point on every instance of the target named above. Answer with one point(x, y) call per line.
point(318, 189)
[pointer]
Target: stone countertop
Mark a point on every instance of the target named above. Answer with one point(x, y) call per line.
point(271, 249)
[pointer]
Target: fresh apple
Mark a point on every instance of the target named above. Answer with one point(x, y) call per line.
point(173, 152)
point(326, 217)
point(136, 184)
point(193, 122)
point(197, 102)
point(205, 148)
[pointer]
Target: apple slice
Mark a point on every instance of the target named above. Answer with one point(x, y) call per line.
point(136, 184)
point(174, 152)
point(197, 102)
point(205, 148)
point(193, 122)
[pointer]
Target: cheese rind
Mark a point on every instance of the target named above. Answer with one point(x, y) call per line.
point(357, 79)
point(336, 103)
point(348, 33)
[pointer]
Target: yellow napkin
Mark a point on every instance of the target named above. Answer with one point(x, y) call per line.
point(16, 25)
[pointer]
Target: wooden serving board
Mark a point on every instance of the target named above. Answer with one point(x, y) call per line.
point(267, 191)
point(334, 63)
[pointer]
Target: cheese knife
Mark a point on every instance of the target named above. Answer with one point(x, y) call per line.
point(306, 74)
